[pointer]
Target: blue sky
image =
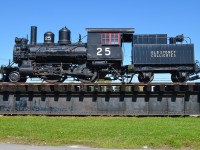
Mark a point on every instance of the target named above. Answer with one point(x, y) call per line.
point(146, 16)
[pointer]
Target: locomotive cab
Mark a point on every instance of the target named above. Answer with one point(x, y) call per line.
point(104, 49)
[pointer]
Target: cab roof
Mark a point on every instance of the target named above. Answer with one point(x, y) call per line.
point(114, 30)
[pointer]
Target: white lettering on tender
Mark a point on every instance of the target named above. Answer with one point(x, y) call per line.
point(163, 53)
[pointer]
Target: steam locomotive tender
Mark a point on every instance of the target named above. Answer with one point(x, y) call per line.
point(151, 54)
point(101, 57)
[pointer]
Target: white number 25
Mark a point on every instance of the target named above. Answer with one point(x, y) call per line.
point(100, 51)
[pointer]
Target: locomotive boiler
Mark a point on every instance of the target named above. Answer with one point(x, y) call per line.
point(49, 60)
point(101, 57)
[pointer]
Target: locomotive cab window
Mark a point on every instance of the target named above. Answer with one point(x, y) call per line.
point(110, 38)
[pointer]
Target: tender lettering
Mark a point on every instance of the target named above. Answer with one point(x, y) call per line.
point(163, 53)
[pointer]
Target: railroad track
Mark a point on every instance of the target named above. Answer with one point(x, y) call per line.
point(100, 99)
point(99, 87)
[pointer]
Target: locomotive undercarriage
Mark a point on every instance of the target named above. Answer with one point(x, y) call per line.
point(59, 72)
point(176, 76)
point(86, 72)
point(178, 73)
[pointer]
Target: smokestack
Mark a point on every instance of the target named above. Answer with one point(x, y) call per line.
point(33, 35)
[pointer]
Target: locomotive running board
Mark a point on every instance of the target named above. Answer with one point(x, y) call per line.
point(100, 99)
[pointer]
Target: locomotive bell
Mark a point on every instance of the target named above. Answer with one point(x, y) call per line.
point(48, 38)
point(64, 36)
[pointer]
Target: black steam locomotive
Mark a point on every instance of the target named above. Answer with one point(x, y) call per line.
point(101, 57)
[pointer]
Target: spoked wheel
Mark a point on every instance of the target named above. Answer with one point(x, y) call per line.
point(14, 76)
point(180, 77)
point(174, 78)
point(183, 76)
point(145, 77)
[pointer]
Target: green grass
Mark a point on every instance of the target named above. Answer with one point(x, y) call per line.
point(103, 132)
